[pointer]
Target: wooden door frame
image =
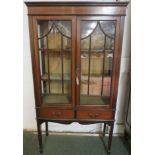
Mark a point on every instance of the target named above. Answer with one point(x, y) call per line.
point(115, 67)
point(36, 64)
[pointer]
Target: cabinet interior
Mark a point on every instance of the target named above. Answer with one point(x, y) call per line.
point(55, 49)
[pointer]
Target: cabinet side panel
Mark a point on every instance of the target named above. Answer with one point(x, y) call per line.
point(122, 28)
point(117, 59)
point(32, 45)
point(32, 53)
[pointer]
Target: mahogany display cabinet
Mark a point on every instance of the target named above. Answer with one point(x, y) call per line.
point(76, 52)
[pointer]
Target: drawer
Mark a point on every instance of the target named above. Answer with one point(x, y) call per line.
point(90, 114)
point(56, 114)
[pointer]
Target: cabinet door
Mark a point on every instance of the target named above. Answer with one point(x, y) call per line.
point(96, 51)
point(55, 50)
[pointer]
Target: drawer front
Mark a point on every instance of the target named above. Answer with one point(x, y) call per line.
point(56, 114)
point(88, 114)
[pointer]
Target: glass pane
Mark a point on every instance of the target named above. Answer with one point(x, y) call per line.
point(97, 47)
point(55, 61)
point(87, 27)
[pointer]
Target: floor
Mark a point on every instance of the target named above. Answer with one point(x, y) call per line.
point(73, 145)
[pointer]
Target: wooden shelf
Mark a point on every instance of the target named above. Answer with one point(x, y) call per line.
point(67, 51)
point(64, 99)
point(56, 52)
point(94, 78)
point(56, 77)
point(96, 51)
point(66, 77)
point(56, 99)
point(94, 100)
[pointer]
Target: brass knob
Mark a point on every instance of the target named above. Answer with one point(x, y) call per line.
point(56, 114)
point(93, 115)
point(53, 113)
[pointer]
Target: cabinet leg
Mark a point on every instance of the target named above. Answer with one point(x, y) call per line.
point(126, 136)
point(110, 136)
point(46, 124)
point(104, 128)
point(40, 136)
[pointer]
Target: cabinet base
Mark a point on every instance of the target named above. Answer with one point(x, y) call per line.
point(107, 146)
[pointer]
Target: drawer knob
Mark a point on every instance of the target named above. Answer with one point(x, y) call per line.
point(93, 115)
point(57, 114)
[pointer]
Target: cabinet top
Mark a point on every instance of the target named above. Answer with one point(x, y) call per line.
point(76, 3)
point(77, 8)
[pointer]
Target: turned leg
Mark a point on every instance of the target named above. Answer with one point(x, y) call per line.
point(40, 136)
point(110, 136)
point(46, 124)
point(104, 128)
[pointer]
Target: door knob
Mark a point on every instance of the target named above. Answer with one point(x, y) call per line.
point(77, 78)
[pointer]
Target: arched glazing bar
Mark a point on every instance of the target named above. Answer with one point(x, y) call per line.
point(45, 35)
point(82, 38)
point(98, 24)
point(109, 36)
point(54, 24)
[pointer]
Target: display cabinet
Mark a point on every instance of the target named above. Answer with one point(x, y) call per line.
point(76, 51)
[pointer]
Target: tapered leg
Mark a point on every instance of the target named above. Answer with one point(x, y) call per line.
point(40, 136)
point(46, 124)
point(104, 128)
point(110, 136)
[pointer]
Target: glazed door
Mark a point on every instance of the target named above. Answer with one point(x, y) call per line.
point(55, 51)
point(96, 51)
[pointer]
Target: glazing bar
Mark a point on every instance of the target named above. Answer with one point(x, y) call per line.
point(89, 63)
point(48, 65)
point(62, 64)
point(104, 56)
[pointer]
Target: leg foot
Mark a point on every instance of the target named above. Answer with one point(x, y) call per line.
point(108, 146)
point(109, 151)
point(40, 136)
point(41, 150)
point(126, 136)
point(110, 136)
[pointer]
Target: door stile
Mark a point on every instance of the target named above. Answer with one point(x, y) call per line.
point(73, 62)
point(78, 65)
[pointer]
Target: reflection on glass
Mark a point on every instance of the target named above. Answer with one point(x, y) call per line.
point(87, 28)
point(55, 50)
point(97, 47)
point(108, 27)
